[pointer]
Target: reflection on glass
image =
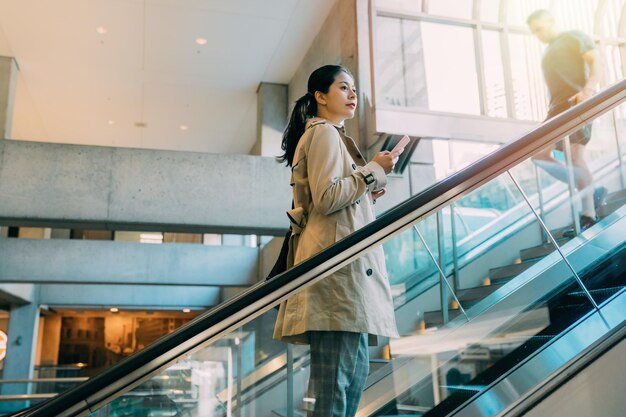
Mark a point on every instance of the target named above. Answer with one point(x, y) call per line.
point(461, 9)
point(494, 76)
point(529, 91)
point(451, 71)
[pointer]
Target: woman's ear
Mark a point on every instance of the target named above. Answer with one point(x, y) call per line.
point(319, 97)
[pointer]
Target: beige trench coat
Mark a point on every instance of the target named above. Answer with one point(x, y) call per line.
point(331, 190)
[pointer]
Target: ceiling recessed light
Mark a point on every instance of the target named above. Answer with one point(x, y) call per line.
point(186, 310)
point(201, 41)
point(111, 122)
point(184, 127)
point(101, 30)
point(114, 309)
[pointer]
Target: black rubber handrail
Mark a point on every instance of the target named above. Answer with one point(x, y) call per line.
point(249, 304)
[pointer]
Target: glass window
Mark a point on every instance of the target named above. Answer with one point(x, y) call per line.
point(464, 153)
point(490, 10)
point(495, 89)
point(529, 92)
point(413, 60)
point(142, 237)
point(575, 14)
point(610, 18)
point(389, 62)
point(212, 239)
point(614, 67)
point(451, 76)
point(518, 11)
point(441, 156)
point(461, 9)
point(412, 6)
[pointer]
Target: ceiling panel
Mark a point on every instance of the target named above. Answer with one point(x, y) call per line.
point(275, 9)
point(79, 86)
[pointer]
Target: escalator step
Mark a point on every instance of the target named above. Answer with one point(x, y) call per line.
point(434, 318)
point(471, 296)
point(608, 208)
point(505, 273)
point(616, 196)
point(541, 250)
point(601, 293)
point(558, 233)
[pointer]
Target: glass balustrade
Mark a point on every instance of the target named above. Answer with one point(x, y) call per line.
point(479, 286)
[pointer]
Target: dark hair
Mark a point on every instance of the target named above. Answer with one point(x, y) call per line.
point(306, 108)
point(537, 14)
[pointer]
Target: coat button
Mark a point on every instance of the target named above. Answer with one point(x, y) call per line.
point(358, 201)
point(353, 166)
point(369, 272)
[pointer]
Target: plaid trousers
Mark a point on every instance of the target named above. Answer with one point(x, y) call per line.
point(339, 368)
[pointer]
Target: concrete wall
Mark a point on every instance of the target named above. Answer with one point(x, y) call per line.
point(108, 262)
point(336, 43)
point(44, 184)
point(133, 296)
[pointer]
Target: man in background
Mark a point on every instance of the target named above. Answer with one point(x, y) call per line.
point(571, 70)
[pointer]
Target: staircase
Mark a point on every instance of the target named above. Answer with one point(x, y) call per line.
point(527, 258)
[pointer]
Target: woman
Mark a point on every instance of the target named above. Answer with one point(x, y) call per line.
point(333, 193)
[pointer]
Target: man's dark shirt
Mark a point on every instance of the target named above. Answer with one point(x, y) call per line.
point(563, 66)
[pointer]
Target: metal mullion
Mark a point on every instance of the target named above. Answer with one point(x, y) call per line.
point(621, 30)
point(427, 18)
point(505, 52)
point(480, 64)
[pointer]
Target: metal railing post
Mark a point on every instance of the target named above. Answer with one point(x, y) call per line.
point(557, 247)
point(455, 252)
point(289, 380)
point(441, 245)
point(442, 275)
point(542, 208)
point(620, 154)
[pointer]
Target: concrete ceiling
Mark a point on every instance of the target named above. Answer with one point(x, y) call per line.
point(78, 86)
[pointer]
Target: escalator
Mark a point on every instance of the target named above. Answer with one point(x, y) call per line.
point(460, 341)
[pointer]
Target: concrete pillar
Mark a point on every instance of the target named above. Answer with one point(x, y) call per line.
point(272, 108)
point(20, 359)
point(8, 82)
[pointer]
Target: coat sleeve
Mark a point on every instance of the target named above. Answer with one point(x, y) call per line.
point(331, 191)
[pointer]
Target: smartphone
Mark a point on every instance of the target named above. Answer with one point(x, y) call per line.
point(399, 148)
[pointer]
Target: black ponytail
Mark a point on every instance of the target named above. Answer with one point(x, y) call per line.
point(306, 108)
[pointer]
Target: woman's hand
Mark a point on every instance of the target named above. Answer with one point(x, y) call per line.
point(386, 160)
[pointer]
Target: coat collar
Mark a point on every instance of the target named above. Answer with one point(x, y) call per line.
point(317, 120)
point(350, 144)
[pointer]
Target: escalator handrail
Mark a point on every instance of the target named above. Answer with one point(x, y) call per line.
point(261, 297)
